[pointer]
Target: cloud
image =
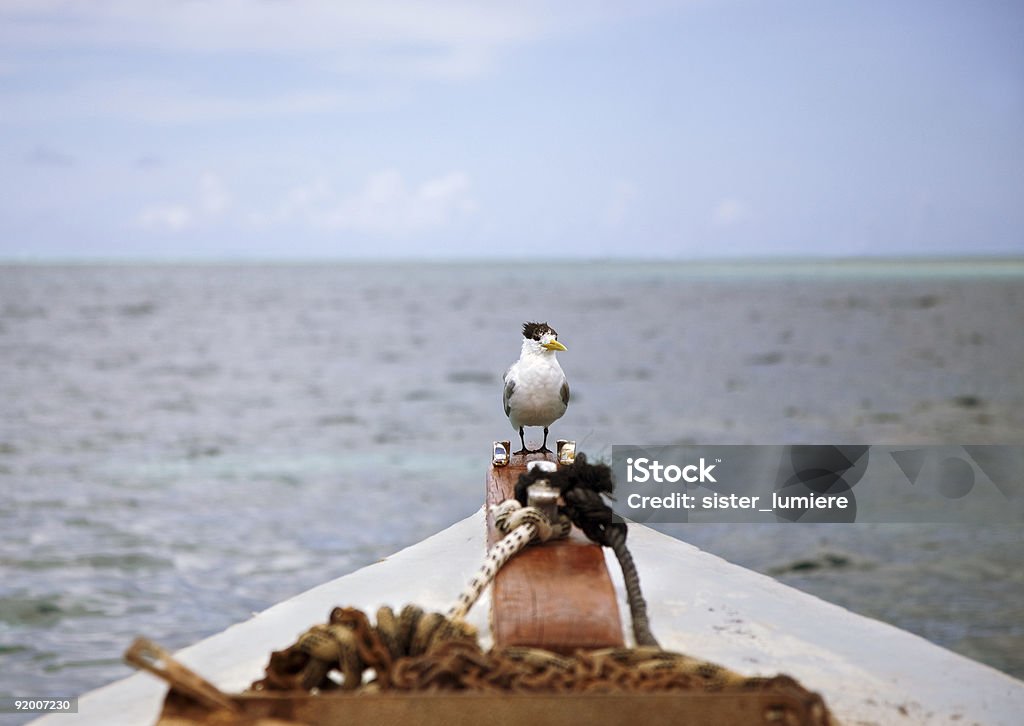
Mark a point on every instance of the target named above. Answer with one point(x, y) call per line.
point(268, 25)
point(315, 26)
point(212, 199)
point(301, 203)
point(171, 217)
point(352, 56)
point(445, 38)
point(46, 156)
point(386, 205)
point(148, 161)
point(728, 212)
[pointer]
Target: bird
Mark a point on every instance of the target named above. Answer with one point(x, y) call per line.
point(536, 392)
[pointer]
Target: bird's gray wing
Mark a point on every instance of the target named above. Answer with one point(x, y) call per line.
point(510, 386)
point(565, 392)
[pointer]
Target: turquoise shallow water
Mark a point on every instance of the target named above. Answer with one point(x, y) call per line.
point(183, 445)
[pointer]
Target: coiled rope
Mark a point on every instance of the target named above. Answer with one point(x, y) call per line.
point(418, 651)
point(349, 645)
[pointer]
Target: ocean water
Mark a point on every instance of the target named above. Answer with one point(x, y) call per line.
point(181, 446)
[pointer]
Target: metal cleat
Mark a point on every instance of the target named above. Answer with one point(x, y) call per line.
point(541, 494)
point(566, 451)
point(499, 455)
point(544, 497)
point(543, 465)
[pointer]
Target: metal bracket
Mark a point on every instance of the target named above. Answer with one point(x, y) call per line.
point(566, 452)
point(500, 453)
point(544, 497)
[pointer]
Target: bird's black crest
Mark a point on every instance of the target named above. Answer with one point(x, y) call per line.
point(537, 330)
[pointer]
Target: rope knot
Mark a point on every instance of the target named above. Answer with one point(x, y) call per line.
point(510, 514)
point(530, 515)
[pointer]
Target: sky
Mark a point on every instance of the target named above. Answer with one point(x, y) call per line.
point(276, 129)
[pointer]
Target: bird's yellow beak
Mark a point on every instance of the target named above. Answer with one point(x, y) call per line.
point(554, 345)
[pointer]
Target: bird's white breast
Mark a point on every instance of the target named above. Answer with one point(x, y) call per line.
point(537, 398)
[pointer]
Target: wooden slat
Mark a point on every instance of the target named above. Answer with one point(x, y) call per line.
point(557, 595)
point(440, 708)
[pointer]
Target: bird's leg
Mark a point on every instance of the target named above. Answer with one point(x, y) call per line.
point(523, 442)
point(544, 447)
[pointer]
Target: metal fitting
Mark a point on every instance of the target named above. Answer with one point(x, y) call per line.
point(542, 465)
point(499, 453)
point(544, 497)
point(566, 451)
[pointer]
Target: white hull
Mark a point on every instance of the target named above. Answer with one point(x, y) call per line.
point(699, 604)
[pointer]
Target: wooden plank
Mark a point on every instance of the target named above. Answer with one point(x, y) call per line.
point(439, 708)
point(556, 595)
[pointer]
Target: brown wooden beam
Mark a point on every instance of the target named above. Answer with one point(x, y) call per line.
point(555, 595)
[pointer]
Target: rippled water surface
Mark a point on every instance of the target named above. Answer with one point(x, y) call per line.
point(183, 445)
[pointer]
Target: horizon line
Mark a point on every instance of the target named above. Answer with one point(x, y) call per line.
point(298, 260)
